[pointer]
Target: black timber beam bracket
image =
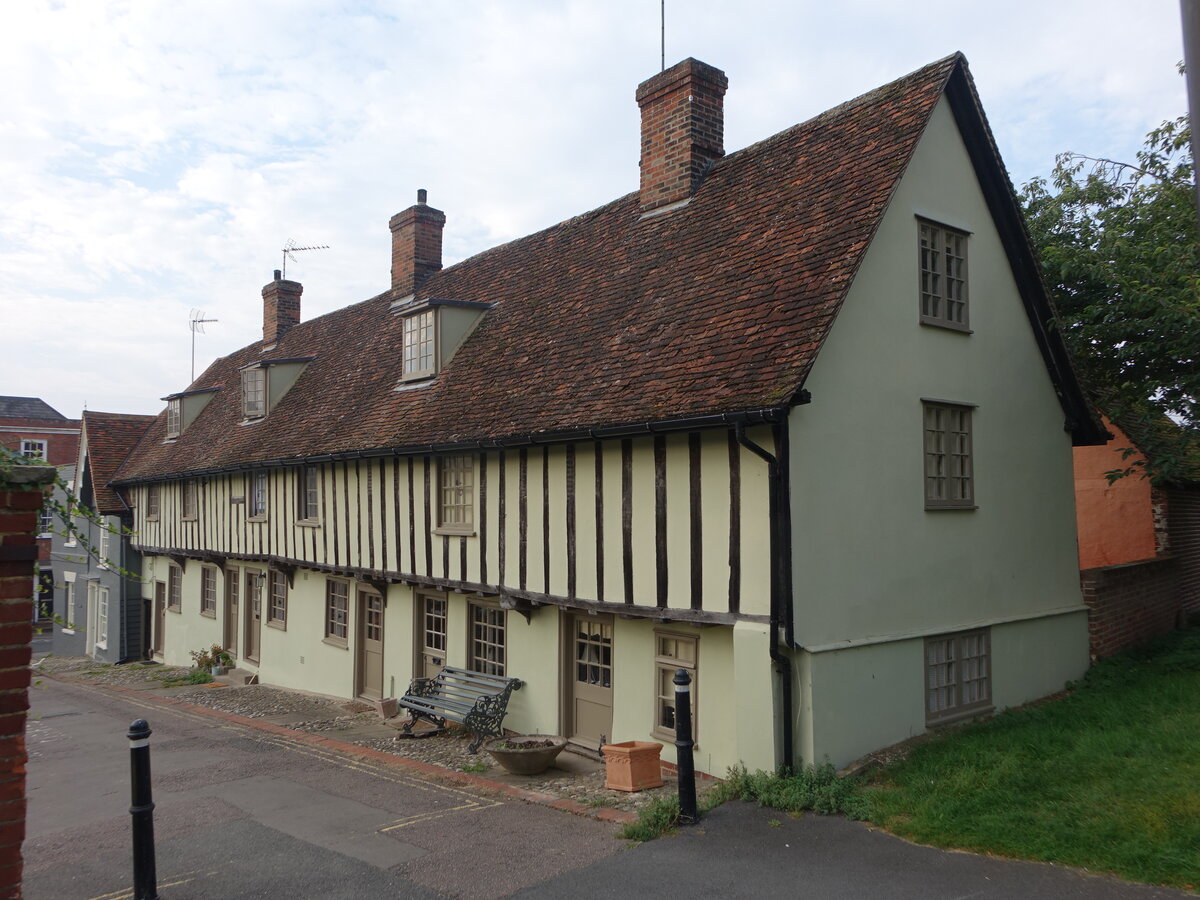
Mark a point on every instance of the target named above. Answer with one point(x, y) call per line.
point(522, 605)
point(288, 570)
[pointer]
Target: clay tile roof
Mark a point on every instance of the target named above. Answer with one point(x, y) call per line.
point(606, 319)
point(110, 438)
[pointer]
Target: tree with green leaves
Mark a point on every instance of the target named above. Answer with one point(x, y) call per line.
point(1121, 257)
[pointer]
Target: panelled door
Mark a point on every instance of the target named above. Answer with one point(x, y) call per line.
point(431, 630)
point(590, 679)
point(160, 615)
point(370, 644)
point(233, 584)
point(253, 613)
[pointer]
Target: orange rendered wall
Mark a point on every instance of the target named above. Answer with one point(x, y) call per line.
point(1115, 522)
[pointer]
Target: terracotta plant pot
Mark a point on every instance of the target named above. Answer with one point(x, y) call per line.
point(525, 760)
point(632, 765)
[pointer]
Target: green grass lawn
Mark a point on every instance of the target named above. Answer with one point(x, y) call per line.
point(1106, 777)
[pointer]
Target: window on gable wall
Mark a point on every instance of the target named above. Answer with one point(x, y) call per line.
point(456, 487)
point(254, 392)
point(418, 351)
point(173, 418)
point(277, 603)
point(190, 503)
point(33, 449)
point(256, 491)
point(943, 276)
point(949, 471)
point(958, 675)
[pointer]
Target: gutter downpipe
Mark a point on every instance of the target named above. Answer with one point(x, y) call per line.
point(781, 567)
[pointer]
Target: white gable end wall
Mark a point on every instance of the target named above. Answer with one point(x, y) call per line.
point(873, 569)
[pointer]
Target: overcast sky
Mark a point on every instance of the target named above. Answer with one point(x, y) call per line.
point(156, 156)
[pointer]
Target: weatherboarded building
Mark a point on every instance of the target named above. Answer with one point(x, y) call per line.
point(789, 418)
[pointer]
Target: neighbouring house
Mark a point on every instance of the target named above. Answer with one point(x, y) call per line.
point(99, 604)
point(1139, 544)
point(34, 429)
point(790, 419)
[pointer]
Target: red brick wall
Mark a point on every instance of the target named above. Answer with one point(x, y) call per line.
point(1183, 511)
point(1131, 603)
point(19, 508)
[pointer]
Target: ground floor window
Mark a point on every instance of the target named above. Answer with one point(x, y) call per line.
point(487, 652)
point(101, 616)
point(174, 588)
point(277, 604)
point(958, 675)
point(208, 592)
point(673, 651)
point(337, 611)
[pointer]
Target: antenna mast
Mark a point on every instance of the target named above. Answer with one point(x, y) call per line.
point(662, 19)
point(197, 323)
point(290, 247)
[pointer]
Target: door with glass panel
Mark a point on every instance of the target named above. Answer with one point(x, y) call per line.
point(160, 615)
point(370, 644)
point(233, 584)
point(431, 631)
point(590, 679)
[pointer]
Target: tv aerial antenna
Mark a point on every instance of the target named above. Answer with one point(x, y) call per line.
point(196, 323)
point(290, 247)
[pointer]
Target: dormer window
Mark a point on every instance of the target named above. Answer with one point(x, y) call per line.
point(254, 392)
point(419, 355)
point(173, 418)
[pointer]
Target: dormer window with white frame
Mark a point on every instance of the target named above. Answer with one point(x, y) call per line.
point(174, 418)
point(420, 349)
point(254, 392)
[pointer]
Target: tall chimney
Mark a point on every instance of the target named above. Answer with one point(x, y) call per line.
point(683, 130)
point(281, 307)
point(416, 245)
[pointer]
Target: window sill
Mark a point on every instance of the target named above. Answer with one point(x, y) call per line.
point(261, 518)
point(188, 518)
point(308, 523)
point(669, 736)
point(340, 643)
point(178, 610)
point(281, 625)
point(151, 518)
point(960, 715)
point(451, 531)
point(946, 326)
point(965, 508)
point(409, 378)
point(208, 613)
point(253, 421)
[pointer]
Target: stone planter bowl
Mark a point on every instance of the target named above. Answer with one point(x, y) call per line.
point(525, 760)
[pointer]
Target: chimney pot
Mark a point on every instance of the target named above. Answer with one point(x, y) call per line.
point(422, 194)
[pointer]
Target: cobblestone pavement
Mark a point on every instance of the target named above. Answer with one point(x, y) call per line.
point(354, 723)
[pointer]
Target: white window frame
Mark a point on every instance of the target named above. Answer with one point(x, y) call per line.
point(174, 417)
point(257, 494)
point(101, 617)
point(958, 675)
point(254, 392)
point(68, 626)
point(419, 345)
point(103, 543)
point(46, 521)
point(34, 449)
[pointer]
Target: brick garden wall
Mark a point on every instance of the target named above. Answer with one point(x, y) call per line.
point(21, 497)
point(1131, 603)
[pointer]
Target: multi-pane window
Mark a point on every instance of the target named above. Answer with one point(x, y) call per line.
point(152, 501)
point(456, 484)
point(672, 651)
point(957, 675)
point(943, 275)
point(173, 418)
point(310, 493)
point(103, 544)
point(208, 592)
point(593, 651)
point(46, 520)
point(277, 604)
point(256, 495)
point(949, 475)
point(254, 392)
point(418, 344)
point(101, 617)
point(337, 611)
point(434, 626)
point(190, 503)
point(174, 588)
point(487, 650)
point(33, 449)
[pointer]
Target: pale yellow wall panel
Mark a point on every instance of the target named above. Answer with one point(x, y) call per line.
point(585, 520)
point(679, 522)
point(399, 639)
point(756, 530)
point(535, 492)
point(714, 512)
point(645, 587)
point(534, 658)
point(614, 589)
point(557, 494)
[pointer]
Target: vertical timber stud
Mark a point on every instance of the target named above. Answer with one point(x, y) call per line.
point(684, 765)
point(145, 879)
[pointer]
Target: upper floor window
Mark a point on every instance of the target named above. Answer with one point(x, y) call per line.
point(943, 276)
point(456, 489)
point(254, 392)
point(190, 502)
point(46, 521)
point(256, 489)
point(152, 501)
point(173, 418)
point(33, 449)
point(103, 545)
point(949, 471)
point(310, 493)
point(418, 351)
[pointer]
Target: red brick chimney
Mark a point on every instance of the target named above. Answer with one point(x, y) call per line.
point(416, 245)
point(281, 307)
point(683, 130)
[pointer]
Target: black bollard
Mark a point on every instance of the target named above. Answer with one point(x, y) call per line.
point(145, 879)
point(683, 748)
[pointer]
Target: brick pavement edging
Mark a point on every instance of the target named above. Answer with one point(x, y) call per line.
point(541, 798)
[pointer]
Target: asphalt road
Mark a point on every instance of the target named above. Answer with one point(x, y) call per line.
point(246, 813)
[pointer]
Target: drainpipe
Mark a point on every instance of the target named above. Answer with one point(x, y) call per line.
point(781, 566)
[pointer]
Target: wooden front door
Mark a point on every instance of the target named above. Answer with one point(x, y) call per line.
point(160, 616)
point(233, 584)
point(590, 680)
point(253, 613)
point(432, 630)
point(370, 644)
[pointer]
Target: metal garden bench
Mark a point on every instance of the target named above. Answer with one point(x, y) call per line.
point(473, 699)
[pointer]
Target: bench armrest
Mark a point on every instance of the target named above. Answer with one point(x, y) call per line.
point(421, 687)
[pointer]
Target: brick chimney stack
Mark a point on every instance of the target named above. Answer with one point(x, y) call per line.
point(416, 245)
point(281, 307)
point(683, 130)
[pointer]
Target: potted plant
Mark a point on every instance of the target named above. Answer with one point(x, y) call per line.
point(526, 754)
point(215, 659)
